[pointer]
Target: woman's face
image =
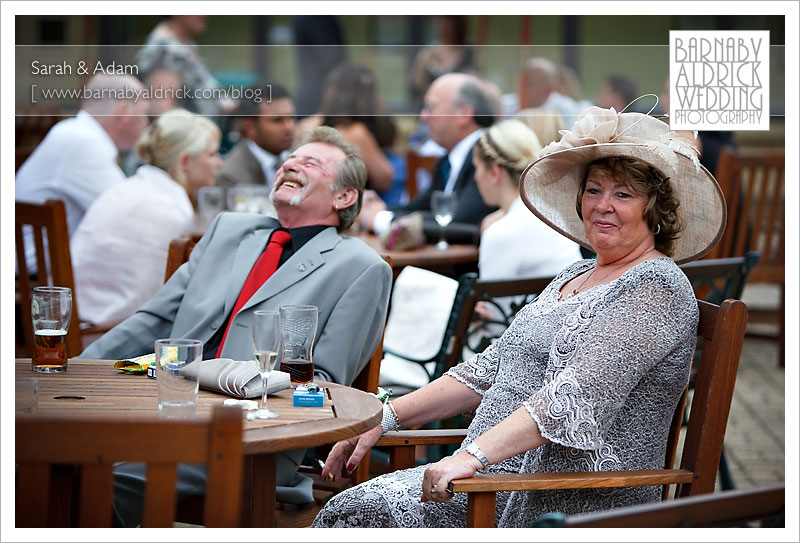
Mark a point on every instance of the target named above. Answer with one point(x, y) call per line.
point(483, 174)
point(613, 216)
point(201, 169)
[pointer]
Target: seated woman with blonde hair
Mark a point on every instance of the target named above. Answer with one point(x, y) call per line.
point(545, 123)
point(119, 251)
point(514, 242)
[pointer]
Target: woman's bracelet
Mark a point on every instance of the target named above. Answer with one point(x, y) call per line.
point(389, 422)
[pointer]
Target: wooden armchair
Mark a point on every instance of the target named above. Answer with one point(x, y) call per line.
point(753, 182)
point(722, 329)
point(95, 445)
point(721, 509)
point(48, 222)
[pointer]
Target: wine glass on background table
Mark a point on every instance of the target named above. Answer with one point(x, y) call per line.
point(443, 205)
point(266, 333)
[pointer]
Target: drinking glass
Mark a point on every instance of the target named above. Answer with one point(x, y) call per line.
point(51, 311)
point(177, 375)
point(298, 328)
point(239, 198)
point(266, 334)
point(443, 205)
point(210, 202)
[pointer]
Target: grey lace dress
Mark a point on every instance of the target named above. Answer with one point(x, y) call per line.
point(600, 373)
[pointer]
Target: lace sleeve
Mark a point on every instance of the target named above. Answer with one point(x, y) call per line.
point(478, 372)
point(606, 348)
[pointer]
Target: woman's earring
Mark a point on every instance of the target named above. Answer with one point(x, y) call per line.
point(658, 229)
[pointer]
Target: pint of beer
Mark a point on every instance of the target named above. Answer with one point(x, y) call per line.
point(51, 309)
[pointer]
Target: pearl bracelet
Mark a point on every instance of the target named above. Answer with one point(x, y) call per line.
point(390, 422)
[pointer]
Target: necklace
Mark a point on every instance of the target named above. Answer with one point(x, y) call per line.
point(579, 288)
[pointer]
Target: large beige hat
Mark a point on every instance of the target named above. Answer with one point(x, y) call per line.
point(550, 184)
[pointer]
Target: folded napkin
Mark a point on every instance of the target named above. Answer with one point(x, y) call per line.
point(238, 378)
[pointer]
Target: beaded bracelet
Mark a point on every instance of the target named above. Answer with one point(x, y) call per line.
point(390, 421)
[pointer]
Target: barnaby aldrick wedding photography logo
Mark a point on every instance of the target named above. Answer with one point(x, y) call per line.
point(719, 80)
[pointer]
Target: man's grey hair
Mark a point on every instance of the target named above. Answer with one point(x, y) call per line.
point(473, 92)
point(352, 172)
point(108, 88)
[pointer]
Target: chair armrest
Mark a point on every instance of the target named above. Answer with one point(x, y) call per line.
point(412, 438)
point(553, 481)
point(482, 488)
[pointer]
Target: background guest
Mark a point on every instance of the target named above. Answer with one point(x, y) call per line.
point(268, 131)
point(119, 251)
point(449, 53)
point(457, 108)
point(351, 105)
point(617, 91)
point(514, 242)
point(77, 160)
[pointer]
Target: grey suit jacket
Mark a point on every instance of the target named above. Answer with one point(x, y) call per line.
point(347, 280)
point(241, 168)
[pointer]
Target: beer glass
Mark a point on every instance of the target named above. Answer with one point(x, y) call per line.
point(51, 310)
point(298, 329)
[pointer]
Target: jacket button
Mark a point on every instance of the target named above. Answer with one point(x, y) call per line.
point(301, 267)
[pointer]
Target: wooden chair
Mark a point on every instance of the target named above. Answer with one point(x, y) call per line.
point(53, 263)
point(721, 509)
point(178, 253)
point(95, 445)
point(753, 184)
point(415, 162)
point(48, 222)
point(722, 329)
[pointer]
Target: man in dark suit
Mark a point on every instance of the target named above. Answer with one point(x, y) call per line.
point(268, 131)
point(456, 109)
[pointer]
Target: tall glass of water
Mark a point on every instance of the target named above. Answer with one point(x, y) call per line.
point(443, 205)
point(266, 334)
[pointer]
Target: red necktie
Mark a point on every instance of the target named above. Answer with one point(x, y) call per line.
point(264, 267)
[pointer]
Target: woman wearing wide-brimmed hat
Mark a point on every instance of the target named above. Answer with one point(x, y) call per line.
point(588, 376)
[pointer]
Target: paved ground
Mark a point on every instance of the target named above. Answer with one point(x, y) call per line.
point(755, 442)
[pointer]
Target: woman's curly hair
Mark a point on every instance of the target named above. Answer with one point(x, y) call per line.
point(643, 178)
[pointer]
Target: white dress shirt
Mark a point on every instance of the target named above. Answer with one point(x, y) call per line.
point(119, 252)
point(75, 163)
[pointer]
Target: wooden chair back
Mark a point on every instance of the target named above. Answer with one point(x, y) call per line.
point(415, 162)
point(48, 221)
point(95, 445)
point(732, 508)
point(753, 183)
point(717, 279)
point(178, 253)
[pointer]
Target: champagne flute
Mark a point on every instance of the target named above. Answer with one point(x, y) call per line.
point(266, 334)
point(443, 205)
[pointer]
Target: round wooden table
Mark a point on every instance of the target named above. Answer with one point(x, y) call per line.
point(93, 388)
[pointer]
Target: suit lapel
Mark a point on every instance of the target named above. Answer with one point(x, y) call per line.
point(248, 251)
point(253, 167)
point(298, 267)
point(465, 173)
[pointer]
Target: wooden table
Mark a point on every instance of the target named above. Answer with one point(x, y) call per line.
point(93, 388)
point(427, 257)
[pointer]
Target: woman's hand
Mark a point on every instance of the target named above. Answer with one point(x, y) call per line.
point(439, 475)
point(346, 455)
